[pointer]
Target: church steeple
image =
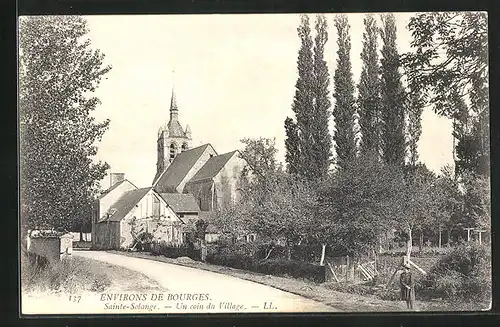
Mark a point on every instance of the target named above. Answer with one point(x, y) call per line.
point(174, 110)
point(172, 138)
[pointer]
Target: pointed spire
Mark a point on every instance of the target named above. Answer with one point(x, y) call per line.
point(173, 101)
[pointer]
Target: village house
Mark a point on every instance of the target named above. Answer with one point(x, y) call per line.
point(124, 211)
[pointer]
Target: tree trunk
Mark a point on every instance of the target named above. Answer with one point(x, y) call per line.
point(421, 242)
point(409, 244)
point(323, 250)
point(439, 238)
point(289, 252)
point(448, 241)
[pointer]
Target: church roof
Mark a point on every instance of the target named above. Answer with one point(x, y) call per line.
point(212, 167)
point(181, 202)
point(125, 204)
point(178, 169)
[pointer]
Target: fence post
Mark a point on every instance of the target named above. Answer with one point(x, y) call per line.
point(347, 269)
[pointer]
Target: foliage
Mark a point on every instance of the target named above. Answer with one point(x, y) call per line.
point(58, 135)
point(274, 204)
point(449, 64)
point(260, 156)
point(277, 267)
point(464, 273)
point(450, 57)
point(292, 146)
point(414, 128)
point(359, 203)
point(318, 164)
point(344, 109)
point(173, 250)
point(369, 89)
point(307, 140)
point(392, 95)
point(303, 105)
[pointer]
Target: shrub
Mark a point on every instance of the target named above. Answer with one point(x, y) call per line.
point(173, 250)
point(463, 274)
point(464, 259)
point(277, 267)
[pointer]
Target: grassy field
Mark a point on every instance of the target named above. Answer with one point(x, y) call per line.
point(73, 274)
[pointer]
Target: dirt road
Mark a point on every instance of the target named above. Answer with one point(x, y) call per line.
point(193, 290)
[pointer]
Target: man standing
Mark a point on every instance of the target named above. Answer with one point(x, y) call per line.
point(407, 286)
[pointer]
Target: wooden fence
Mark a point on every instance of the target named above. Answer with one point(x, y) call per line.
point(346, 270)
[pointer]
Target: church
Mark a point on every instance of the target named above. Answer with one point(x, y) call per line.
point(200, 172)
point(189, 184)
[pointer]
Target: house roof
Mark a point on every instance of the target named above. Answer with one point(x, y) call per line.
point(181, 202)
point(178, 169)
point(125, 204)
point(104, 193)
point(212, 167)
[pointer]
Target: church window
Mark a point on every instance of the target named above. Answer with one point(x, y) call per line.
point(184, 147)
point(172, 151)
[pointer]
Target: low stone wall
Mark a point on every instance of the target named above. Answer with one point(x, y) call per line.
point(51, 248)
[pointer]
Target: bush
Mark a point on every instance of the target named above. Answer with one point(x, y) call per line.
point(463, 274)
point(464, 259)
point(173, 250)
point(277, 267)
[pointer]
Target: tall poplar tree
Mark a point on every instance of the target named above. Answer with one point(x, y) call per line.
point(392, 96)
point(369, 89)
point(344, 109)
point(303, 106)
point(321, 148)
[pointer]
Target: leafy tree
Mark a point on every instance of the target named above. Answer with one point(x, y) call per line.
point(450, 56)
point(303, 103)
point(274, 204)
point(393, 96)
point(58, 135)
point(449, 64)
point(369, 89)
point(260, 156)
point(344, 109)
point(418, 200)
point(359, 203)
point(321, 146)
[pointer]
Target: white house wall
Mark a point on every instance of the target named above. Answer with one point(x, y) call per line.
point(168, 230)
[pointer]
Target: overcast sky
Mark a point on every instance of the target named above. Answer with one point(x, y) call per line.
point(234, 78)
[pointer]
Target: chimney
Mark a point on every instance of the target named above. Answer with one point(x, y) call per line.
point(115, 178)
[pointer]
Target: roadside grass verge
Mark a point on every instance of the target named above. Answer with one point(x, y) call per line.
point(76, 274)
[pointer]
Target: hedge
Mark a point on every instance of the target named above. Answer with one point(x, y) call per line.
point(277, 267)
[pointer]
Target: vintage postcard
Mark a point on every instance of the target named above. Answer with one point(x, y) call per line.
point(262, 163)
